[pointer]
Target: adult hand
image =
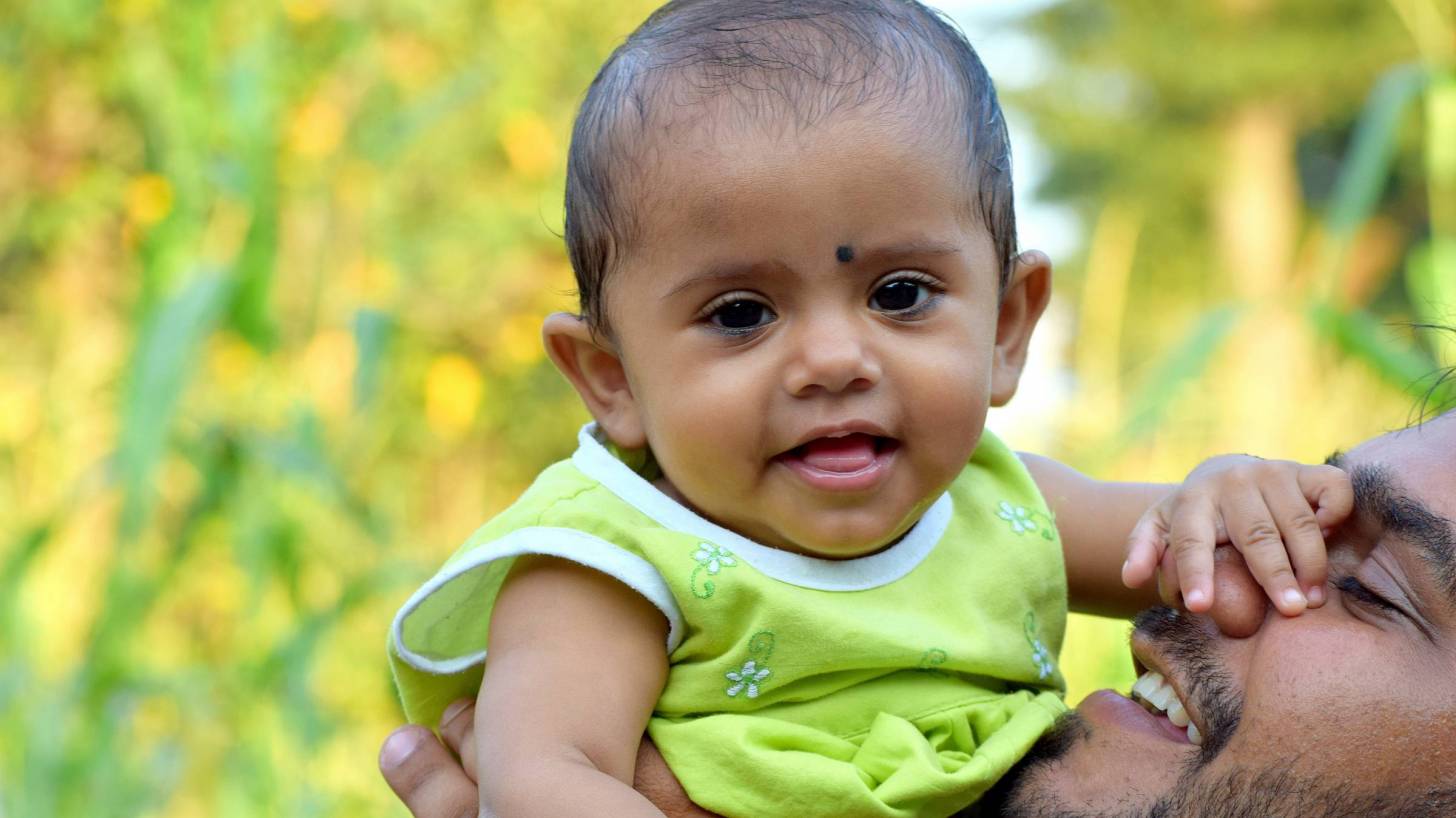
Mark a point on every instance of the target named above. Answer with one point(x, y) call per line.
point(437, 780)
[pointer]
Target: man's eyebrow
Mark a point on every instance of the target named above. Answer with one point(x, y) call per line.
point(1378, 496)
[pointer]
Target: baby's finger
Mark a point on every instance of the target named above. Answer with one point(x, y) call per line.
point(1144, 550)
point(1252, 528)
point(1328, 489)
point(457, 728)
point(1168, 581)
point(1192, 535)
point(1303, 542)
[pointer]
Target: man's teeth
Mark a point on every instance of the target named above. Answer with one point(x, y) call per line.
point(1156, 694)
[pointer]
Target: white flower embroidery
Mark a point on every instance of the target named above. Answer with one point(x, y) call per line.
point(1018, 516)
point(714, 557)
point(1042, 658)
point(747, 677)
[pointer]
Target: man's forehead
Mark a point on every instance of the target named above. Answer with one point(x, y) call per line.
point(1404, 482)
point(1421, 457)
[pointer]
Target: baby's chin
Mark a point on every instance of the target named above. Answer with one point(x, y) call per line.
point(847, 543)
point(853, 531)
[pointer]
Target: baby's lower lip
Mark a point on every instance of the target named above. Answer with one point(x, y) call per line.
point(849, 464)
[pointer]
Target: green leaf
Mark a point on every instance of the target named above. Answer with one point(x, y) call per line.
point(160, 368)
point(1362, 336)
point(1362, 178)
point(1185, 362)
point(1366, 168)
point(17, 562)
point(1430, 280)
point(372, 331)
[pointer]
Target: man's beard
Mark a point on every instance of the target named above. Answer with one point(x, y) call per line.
point(1242, 793)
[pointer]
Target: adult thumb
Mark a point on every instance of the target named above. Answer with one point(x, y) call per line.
point(426, 777)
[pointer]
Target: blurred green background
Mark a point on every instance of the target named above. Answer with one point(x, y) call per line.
point(272, 274)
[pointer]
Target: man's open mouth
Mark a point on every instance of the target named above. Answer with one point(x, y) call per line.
point(1158, 697)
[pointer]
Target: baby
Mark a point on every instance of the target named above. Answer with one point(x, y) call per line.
point(787, 548)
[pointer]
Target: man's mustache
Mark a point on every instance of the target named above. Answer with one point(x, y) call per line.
point(1187, 644)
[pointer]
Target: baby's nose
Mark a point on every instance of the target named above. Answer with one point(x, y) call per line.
point(832, 358)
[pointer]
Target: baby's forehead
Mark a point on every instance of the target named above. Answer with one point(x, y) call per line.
point(674, 95)
point(687, 130)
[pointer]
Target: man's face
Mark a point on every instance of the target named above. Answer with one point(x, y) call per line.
point(1348, 709)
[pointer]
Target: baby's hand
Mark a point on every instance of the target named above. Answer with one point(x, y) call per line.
point(1274, 511)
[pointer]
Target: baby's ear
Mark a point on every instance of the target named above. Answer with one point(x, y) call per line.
point(1025, 299)
point(594, 368)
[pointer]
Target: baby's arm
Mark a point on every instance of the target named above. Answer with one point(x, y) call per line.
point(1094, 519)
point(1272, 511)
point(577, 661)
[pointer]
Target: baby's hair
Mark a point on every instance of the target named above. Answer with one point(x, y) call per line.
point(800, 60)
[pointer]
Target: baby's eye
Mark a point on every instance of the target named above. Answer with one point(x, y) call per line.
point(900, 295)
point(741, 314)
point(897, 295)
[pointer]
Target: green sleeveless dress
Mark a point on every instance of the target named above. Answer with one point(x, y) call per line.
point(904, 683)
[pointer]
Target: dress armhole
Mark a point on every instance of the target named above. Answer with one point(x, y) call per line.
point(458, 599)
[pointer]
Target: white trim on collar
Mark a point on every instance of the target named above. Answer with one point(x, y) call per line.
point(859, 574)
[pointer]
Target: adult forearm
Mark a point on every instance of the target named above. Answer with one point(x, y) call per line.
point(654, 779)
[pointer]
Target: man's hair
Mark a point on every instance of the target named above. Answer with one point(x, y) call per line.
point(793, 59)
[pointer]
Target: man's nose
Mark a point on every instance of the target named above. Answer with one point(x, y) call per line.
point(830, 355)
point(1239, 604)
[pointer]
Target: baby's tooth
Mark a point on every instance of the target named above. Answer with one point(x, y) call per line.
point(1177, 714)
point(1194, 736)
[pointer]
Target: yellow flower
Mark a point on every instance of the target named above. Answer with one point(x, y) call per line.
point(329, 363)
point(453, 388)
point(317, 128)
point(148, 199)
point(529, 144)
point(304, 11)
point(520, 340)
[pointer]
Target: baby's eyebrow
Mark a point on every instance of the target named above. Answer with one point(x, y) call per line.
point(910, 248)
point(729, 272)
point(726, 272)
point(1378, 496)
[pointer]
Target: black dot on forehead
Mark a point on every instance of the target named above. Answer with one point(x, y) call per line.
point(844, 253)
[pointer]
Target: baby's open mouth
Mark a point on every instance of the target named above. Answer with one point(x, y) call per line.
point(844, 454)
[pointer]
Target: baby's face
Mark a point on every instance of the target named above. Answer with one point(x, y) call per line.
point(808, 326)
